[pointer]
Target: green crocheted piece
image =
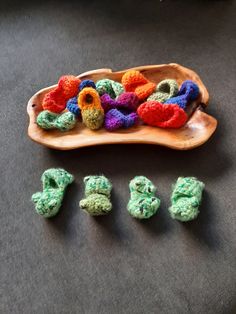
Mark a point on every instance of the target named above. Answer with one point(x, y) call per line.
point(106, 86)
point(50, 120)
point(165, 89)
point(186, 198)
point(55, 181)
point(97, 195)
point(93, 118)
point(142, 204)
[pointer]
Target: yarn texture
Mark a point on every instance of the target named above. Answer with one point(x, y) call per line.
point(49, 120)
point(134, 81)
point(128, 101)
point(162, 115)
point(186, 198)
point(165, 89)
point(55, 101)
point(91, 108)
point(115, 119)
point(72, 106)
point(55, 181)
point(110, 87)
point(189, 91)
point(87, 83)
point(142, 204)
point(97, 193)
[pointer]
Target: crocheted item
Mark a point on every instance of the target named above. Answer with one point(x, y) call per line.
point(189, 91)
point(55, 100)
point(134, 81)
point(87, 83)
point(97, 193)
point(165, 89)
point(72, 106)
point(49, 120)
point(48, 202)
point(142, 204)
point(161, 115)
point(110, 87)
point(115, 119)
point(128, 101)
point(91, 108)
point(186, 198)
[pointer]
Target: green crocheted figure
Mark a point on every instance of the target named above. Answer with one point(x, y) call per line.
point(165, 89)
point(93, 118)
point(186, 198)
point(50, 120)
point(106, 86)
point(142, 204)
point(97, 192)
point(48, 202)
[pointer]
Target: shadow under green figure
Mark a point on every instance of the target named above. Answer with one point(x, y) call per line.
point(142, 204)
point(186, 198)
point(48, 202)
point(97, 193)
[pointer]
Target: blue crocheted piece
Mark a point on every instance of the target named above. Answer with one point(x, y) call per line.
point(87, 83)
point(72, 106)
point(189, 91)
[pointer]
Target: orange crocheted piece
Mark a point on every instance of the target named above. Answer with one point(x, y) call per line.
point(89, 99)
point(68, 87)
point(162, 115)
point(134, 81)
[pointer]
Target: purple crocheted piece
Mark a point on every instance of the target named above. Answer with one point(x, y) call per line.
point(128, 101)
point(115, 119)
point(87, 83)
point(189, 91)
point(72, 106)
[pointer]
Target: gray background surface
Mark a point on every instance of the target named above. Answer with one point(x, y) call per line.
point(115, 264)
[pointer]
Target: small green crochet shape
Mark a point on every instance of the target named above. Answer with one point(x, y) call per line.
point(106, 86)
point(165, 89)
point(55, 181)
point(97, 193)
point(142, 204)
point(50, 120)
point(93, 118)
point(186, 198)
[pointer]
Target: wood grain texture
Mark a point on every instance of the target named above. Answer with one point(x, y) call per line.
point(196, 131)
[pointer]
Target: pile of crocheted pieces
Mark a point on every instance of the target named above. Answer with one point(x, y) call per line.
point(115, 105)
point(143, 203)
point(55, 181)
point(97, 195)
point(186, 198)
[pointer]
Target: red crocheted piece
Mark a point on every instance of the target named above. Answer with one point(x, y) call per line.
point(68, 87)
point(134, 81)
point(161, 115)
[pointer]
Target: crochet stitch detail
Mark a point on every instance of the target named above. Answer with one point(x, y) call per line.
point(161, 115)
point(49, 120)
point(115, 119)
point(97, 193)
point(110, 87)
point(186, 198)
point(48, 202)
point(142, 204)
point(72, 106)
point(128, 101)
point(165, 89)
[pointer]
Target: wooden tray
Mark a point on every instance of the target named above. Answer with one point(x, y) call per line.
point(196, 131)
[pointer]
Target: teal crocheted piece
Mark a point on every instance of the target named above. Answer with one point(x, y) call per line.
point(142, 204)
point(97, 193)
point(48, 202)
point(186, 198)
point(106, 86)
point(165, 89)
point(50, 120)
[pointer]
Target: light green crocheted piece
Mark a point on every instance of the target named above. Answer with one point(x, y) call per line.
point(93, 118)
point(97, 193)
point(142, 204)
point(106, 86)
point(50, 120)
point(165, 89)
point(55, 181)
point(186, 198)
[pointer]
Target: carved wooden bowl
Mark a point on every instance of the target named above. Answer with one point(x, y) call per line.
point(198, 129)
